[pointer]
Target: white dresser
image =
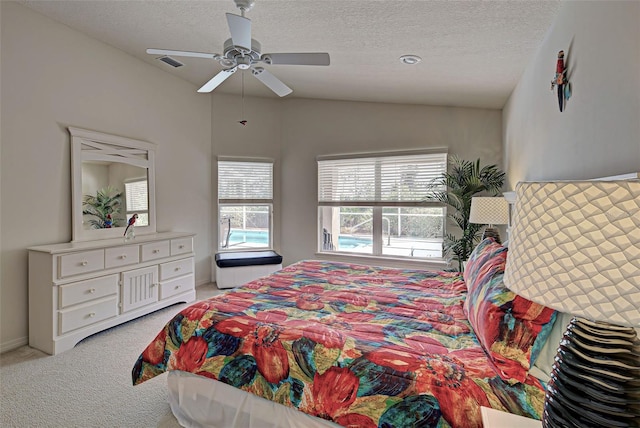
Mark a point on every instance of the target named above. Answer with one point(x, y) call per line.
point(80, 288)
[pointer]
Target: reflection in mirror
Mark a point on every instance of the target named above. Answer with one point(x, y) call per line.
point(111, 193)
point(112, 179)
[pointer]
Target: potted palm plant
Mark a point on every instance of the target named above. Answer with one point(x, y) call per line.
point(103, 207)
point(455, 188)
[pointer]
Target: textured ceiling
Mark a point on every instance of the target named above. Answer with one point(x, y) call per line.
point(473, 51)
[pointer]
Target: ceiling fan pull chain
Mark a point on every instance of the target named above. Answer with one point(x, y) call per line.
point(242, 95)
point(242, 121)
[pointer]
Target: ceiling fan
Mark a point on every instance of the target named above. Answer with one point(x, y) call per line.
point(242, 52)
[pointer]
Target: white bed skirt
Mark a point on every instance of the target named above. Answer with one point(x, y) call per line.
point(197, 401)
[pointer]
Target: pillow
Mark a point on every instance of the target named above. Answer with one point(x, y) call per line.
point(510, 328)
point(547, 355)
point(477, 264)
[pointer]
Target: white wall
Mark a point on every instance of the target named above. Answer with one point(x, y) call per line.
point(598, 134)
point(296, 131)
point(54, 77)
point(260, 137)
point(1, 180)
point(314, 127)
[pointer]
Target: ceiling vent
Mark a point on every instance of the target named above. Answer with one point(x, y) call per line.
point(172, 62)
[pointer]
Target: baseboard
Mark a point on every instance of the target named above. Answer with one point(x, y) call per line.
point(13, 344)
point(203, 282)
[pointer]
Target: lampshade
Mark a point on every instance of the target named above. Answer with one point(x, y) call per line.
point(489, 210)
point(575, 247)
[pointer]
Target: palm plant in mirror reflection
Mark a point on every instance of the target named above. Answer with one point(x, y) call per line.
point(455, 188)
point(103, 208)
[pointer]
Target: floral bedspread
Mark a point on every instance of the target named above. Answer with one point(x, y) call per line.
point(358, 345)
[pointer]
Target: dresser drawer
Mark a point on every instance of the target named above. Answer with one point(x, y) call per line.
point(181, 246)
point(72, 319)
point(175, 269)
point(80, 292)
point(82, 262)
point(121, 256)
point(176, 286)
point(155, 250)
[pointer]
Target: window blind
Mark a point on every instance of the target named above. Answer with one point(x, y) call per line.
point(379, 179)
point(245, 181)
point(136, 195)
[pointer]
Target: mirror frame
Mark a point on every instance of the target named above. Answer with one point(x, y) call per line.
point(96, 146)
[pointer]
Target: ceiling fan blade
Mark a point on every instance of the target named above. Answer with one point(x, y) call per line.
point(271, 81)
point(240, 28)
point(217, 80)
point(318, 58)
point(182, 53)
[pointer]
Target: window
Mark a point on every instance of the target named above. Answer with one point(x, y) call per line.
point(378, 205)
point(135, 193)
point(245, 204)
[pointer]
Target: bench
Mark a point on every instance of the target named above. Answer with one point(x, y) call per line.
point(237, 268)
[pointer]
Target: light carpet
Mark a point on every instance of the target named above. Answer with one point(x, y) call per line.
point(89, 385)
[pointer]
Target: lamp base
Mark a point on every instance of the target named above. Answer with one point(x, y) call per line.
point(492, 232)
point(595, 381)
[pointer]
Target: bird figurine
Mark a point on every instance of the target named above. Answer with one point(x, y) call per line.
point(561, 81)
point(128, 232)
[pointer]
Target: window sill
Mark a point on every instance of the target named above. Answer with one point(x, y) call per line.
point(437, 264)
point(244, 250)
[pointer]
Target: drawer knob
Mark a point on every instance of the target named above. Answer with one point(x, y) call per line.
point(92, 314)
point(124, 256)
point(84, 263)
point(92, 290)
point(177, 268)
point(181, 246)
point(155, 251)
point(176, 287)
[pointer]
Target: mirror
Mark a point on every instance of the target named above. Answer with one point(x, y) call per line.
point(113, 179)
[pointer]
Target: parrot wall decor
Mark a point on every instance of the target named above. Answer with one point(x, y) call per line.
point(561, 81)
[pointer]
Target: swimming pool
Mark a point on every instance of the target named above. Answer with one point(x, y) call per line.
point(346, 242)
point(261, 238)
point(239, 236)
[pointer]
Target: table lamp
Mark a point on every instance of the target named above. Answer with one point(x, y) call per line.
point(490, 211)
point(575, 247)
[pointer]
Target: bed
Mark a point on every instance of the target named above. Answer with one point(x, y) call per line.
point(322, 343)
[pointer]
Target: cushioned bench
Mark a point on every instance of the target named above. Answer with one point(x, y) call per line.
point(237, 268)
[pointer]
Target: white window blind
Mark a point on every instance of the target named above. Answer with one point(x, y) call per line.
point(379, 179)
point(245, 181)
point(136, 195)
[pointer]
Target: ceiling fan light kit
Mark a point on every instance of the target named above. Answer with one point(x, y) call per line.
point(244, 53)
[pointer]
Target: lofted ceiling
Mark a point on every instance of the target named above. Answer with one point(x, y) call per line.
point(473, 52)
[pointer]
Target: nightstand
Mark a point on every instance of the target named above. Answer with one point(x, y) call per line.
point(492, 418)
